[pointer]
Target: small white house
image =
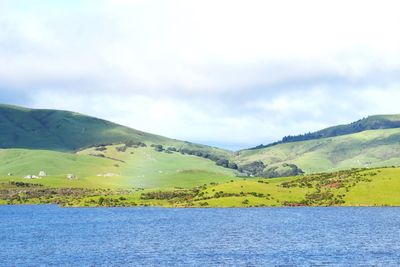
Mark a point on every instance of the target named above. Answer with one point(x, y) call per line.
point(42, 174)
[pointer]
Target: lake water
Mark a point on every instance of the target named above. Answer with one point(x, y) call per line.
point(49, 235)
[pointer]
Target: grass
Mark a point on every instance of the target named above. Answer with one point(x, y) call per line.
point(375, 148)
point(357, 187)
point(368, 187)
point(67, 131)
point(46, 140)
point(267, 187)
point(136, 167)
point(384, 189)
point(149, 168)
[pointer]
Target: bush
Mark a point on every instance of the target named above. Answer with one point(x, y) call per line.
point(255, 168)
point(121, 148)
point(223, 163)
point(171, 149)
point(158, 148)
point(232, 165)
point(132, 143)
point(284, 170)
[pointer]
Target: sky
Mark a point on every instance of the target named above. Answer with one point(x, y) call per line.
point(227, 73)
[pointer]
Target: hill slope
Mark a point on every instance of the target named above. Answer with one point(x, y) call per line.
point(373, 187)
point(365, 149)
point(69, 131)
point(370, 123)
point(331, 149)
point(142, 167)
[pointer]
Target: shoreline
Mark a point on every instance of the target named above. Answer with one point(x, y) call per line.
point(198, 207)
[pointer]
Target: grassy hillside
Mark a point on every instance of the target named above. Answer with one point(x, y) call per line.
point(63, 131)
point(368, 187)
point(151, 168)
point(370, 123)
point(365, 149)
point(70, 131)
point(136, 167)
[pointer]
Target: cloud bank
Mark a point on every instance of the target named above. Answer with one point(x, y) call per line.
point(226, 73)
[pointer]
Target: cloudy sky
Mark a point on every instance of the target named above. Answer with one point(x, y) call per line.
point(227, 73)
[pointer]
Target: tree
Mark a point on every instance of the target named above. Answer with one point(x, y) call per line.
point(232, 165)
point(158, 148)
point(255, 168)
point(223, 163)
point(101, 201)
point(171, 148)
point(121, 148)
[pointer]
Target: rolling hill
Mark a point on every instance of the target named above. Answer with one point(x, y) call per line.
point(370, 142)
point(63, 142)
point(370, 123)
point(93, 162)
point(67, 131)
point(372, 148)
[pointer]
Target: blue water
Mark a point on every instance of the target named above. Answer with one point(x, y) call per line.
point(49, 235)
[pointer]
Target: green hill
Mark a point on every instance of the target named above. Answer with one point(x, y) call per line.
point(69, 131)
point(63, 142)
point(335, 148)
point(371, 148)
point(370, 123)
point(93, 162)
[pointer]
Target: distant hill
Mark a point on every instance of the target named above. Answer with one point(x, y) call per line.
point(69, 131)
point(370, 123)
point(372, 148)
point(370, 142)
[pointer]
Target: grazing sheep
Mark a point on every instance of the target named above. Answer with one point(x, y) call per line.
point(71, 176)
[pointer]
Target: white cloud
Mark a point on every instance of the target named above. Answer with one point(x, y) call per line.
point(235, 73)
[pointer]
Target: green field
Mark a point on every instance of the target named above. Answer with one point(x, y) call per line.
point(136, 167)
point(368, 187)
point(357, 187)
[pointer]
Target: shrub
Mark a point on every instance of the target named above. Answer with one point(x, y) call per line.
point(132, 143)
point(158, 148)
point(255, 168)
point(171, 149)
point(223, 163)
point(121, 148)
